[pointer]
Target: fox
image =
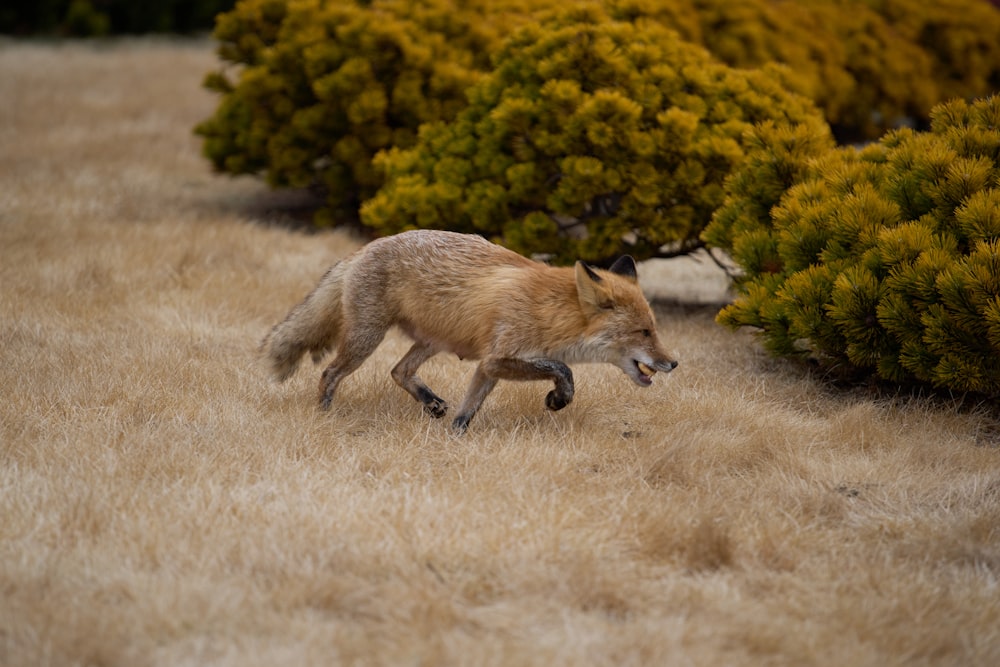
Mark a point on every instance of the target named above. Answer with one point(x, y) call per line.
point(519, 318)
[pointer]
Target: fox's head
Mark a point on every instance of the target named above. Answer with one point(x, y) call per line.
point(620, 322)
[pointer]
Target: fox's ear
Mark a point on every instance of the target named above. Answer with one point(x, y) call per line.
point(590, 290)
point(625, 266)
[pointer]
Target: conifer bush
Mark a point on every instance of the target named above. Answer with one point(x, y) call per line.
point(870, 65)
point(961, 37)
point(751, 33)
point(311, 90)
point(321, 87)
point(589, 138)
point(881, 261)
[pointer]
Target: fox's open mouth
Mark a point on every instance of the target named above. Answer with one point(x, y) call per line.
point(646, 373)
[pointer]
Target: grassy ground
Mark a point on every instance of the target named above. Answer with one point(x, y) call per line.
point(163, 503)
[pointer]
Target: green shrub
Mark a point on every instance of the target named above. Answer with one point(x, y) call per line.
point(590, 138)
point(890, 80)
point(322, 87)
point(881, 261)
point(849, 59)
point(311, 90)
point(870, 65)
point(751, 33)
point(961, 38)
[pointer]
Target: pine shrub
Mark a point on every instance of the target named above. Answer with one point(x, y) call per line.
point(751, 33)
point(312, 90)
point(870, 65)
point(321, 87)
point(961, 38)
point(588, 139)
point(878, 261)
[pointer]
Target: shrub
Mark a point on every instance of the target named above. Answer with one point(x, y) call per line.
point(311, 90)
point(322, 87)
point(751, 33)
point(961, 38)
point(881, 261)
point(590, 138)
point(870, 65)
point(849, 59)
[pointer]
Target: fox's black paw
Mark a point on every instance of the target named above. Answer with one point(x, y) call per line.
point(436, 409)
point(554, 401)
point(461, 424)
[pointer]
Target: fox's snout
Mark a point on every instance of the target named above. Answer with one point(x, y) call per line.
point(665, 366)
point(642, 371)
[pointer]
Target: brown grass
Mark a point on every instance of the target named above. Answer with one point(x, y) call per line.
point(163, 504)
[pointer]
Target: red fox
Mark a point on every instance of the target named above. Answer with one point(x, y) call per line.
point(459, 293)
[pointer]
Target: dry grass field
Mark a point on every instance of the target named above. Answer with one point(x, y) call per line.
point(163, 503)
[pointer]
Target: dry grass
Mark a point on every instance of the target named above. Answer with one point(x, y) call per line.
point(163, 504)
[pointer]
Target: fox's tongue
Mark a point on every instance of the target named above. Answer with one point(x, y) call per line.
point(645, 370)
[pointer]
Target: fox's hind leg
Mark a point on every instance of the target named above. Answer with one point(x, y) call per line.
point(405, 375)
point(505, 368)
point(353, 349)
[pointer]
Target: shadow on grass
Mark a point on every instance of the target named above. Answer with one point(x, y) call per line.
point(293, 209)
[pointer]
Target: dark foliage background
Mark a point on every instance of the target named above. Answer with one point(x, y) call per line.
point(92, 18)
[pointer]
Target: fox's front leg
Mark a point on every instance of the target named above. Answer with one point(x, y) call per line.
point(405, 375)
point(491, 370)
point(480, 387)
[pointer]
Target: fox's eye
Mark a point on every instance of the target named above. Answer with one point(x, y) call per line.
point(647, 333)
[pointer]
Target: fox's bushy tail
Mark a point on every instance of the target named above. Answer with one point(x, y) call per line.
point(313, 326)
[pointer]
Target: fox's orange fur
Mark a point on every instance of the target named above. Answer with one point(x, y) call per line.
point(522, 320)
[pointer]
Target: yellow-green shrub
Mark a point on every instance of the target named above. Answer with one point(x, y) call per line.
point(961, 38)
point(311, 90)
point(881, 261)
point(870, 65)
point(590, 138)
point(323, 86)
